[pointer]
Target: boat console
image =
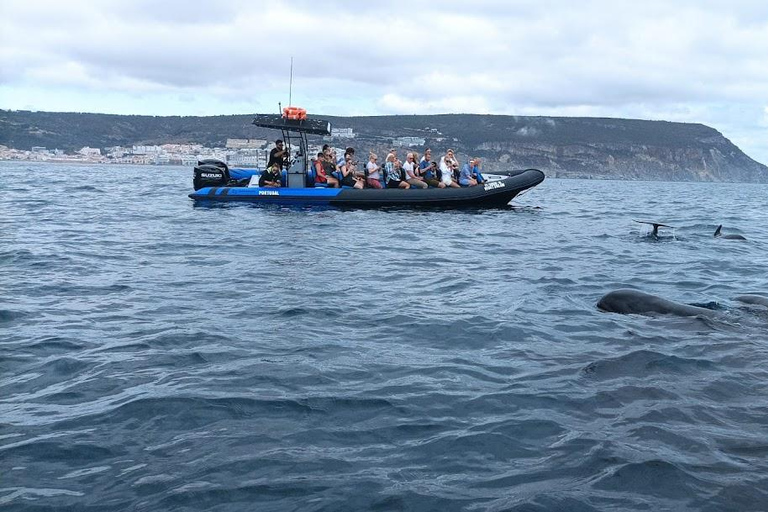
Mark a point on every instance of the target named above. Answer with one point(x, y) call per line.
point(295, 126)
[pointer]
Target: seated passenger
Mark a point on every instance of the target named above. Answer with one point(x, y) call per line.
point(341, 159)
point(411, 172)
point(350, 151)
point(374, 174)
point(392, 173)
point(454, 163)
point(326, 150)
point(399, 169)
point(349, 173)
point(446, 171)
point(396, 160)
point(270, 177)
point(320, 175)
point(338, 162)
point(329, 167)
point(429, 170)
point(477, 172)
point(360, 173)
point(466, 178)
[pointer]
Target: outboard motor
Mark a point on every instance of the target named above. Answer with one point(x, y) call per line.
point(211, 173)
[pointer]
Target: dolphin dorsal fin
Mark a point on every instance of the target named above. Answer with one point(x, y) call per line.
point(717, 231)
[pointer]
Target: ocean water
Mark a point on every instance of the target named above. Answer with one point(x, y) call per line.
point(157, 355)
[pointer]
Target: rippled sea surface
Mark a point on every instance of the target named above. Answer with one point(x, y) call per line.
point(157, 355)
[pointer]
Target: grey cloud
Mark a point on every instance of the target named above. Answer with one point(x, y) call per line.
point(377, 47)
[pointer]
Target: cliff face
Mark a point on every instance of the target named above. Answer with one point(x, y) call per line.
point(562, 147)
point(583, 147)
point(629, 161)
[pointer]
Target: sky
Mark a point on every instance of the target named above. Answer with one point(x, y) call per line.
point(697, 61)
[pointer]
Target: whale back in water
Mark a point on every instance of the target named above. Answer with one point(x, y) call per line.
point(627, 301)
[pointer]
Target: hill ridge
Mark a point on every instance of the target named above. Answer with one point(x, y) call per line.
point(598, 147)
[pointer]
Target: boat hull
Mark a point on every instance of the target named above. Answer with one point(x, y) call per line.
point(496, 193)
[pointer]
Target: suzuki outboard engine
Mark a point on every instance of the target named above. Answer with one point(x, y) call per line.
point(211, 173)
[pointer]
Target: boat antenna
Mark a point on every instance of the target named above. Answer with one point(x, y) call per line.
point(290, 84)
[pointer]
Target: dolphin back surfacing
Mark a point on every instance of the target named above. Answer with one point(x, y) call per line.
point(718, 234)
point(754, 300)
point(634, 302)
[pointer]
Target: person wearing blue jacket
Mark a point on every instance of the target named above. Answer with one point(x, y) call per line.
point(466, 176)
point(476, 172)
point(470, 174)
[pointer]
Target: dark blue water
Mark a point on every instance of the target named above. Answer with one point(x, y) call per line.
point(155, 355)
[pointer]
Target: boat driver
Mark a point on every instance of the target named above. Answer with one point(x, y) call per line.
point(278, 155)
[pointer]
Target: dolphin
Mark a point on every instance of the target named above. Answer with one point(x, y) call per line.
point(727, 237)
point(756, 300)
point(655, 225)
point(627, 301)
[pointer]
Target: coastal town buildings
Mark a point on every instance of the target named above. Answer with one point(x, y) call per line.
point(249, 153)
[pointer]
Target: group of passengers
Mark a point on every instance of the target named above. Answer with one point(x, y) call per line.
point(336, 172)
point(415, 172)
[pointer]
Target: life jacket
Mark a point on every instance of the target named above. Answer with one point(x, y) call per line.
point(320, 176)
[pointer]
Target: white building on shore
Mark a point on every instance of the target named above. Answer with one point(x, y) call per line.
point(342, 133)
point(408, 141)
point(246, 143)
point(90, 152)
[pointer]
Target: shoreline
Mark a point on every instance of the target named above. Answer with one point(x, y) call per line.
point(90, 162)
point(582, 178)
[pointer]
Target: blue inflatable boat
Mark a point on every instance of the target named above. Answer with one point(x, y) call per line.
point(215, 182)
